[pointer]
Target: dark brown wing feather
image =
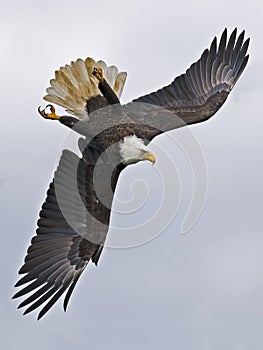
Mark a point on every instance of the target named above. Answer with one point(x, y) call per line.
point(71, 230)
point(196, 95)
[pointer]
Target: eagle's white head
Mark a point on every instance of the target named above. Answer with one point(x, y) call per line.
point(133, 150)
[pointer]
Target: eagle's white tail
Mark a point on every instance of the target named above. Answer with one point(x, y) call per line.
point(74, 84)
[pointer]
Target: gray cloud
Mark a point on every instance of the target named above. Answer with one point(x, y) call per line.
point(201, 290)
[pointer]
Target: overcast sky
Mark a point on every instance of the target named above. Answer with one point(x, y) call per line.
point(200, 290)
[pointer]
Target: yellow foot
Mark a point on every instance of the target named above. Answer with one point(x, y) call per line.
point(98, 73)
point(51, 115)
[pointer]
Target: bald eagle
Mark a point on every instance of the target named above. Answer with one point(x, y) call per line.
point(75, 216)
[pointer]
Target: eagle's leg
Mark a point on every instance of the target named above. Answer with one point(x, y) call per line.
point(64, 119)
point(104, 87)
point(98, 73)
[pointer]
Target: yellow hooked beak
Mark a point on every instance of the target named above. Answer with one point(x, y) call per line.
point(149, 156)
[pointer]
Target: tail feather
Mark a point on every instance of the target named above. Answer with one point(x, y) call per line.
point(74, 84)
point(119, 83)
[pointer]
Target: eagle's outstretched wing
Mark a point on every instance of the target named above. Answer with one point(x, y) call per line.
point(198, 94)
point(71, 230)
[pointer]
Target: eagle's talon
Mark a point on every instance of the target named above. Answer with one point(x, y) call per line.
point(98, 73)
point(52, 115)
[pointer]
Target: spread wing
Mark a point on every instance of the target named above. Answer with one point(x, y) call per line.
point(71, 230)
point(195, 96)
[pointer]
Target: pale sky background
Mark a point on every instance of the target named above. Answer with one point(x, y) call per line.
point(202, 290)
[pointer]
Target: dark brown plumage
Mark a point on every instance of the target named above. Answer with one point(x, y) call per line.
point(196, 95)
